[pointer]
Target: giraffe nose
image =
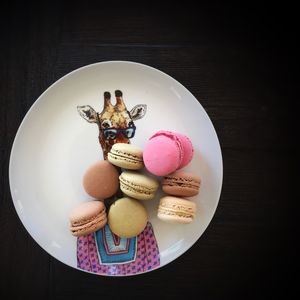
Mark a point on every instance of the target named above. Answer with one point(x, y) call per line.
point(121, 139)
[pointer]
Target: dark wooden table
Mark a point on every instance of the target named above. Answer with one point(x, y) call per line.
point(238, 63)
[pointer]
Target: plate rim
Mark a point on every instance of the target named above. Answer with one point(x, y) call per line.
point(40, 98)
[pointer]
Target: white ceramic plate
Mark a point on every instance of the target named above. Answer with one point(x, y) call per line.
point(54, 145)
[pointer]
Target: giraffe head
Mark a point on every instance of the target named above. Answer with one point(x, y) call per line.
point(115, 122)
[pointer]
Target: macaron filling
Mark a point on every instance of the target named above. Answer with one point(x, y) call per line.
point(171, 212)
point(177, 210)
point(173, 181)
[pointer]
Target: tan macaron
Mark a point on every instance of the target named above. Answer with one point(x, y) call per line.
point(176, 210)
point(101, 180)
point(127, 217)
point(138, 186)
point(126, 156)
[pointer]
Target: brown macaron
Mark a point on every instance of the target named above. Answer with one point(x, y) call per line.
point(180, 183)
point(101, 180)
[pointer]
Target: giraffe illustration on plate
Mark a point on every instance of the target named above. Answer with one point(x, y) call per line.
point(103, 252)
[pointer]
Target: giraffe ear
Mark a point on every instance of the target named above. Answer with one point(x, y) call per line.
point(88, 113)
point(138, 112)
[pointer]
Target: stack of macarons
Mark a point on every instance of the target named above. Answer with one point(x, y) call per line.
point(127, 216)
point(132, 183)
point(164, 154)
point(100, 181)
point(173, 207)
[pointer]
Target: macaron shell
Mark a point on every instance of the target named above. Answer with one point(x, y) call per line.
point(127, 217)
point(177, 210)
point(138, 186)
point(180, 191)
point(128, 149)
point(124, 162)
point(183, 176)
point(162, 154)
point(100, 180)
point(86, 211)
point(173, 218)
point(188, 149)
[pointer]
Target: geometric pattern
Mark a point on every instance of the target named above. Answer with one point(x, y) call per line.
point(113, 249)
point(146, 256)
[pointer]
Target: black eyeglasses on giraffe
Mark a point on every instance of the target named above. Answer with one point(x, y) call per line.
point(112, 133)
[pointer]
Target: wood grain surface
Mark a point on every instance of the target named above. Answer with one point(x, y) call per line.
point(238, 63)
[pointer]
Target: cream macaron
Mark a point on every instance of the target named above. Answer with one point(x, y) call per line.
point(127, 217)
point(126, 156)
point(137, 185)
point(176, 210)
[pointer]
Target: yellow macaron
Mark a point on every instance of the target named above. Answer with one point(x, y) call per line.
point(127, 217)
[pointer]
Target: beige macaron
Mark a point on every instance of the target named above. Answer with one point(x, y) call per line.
point(137, 185)
point(87, 217)
point(176, 210)
point(127, 217)
point(101, 180)
point(126, 156)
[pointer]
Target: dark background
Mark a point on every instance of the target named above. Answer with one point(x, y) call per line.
point(238, 61)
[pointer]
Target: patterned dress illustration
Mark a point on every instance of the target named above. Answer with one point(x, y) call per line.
point(103, 252)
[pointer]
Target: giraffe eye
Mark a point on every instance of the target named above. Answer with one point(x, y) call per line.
point(106, 124)
point(110, 133)
point(130, 132)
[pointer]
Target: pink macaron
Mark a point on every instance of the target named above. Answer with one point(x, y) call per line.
point(167, 151)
